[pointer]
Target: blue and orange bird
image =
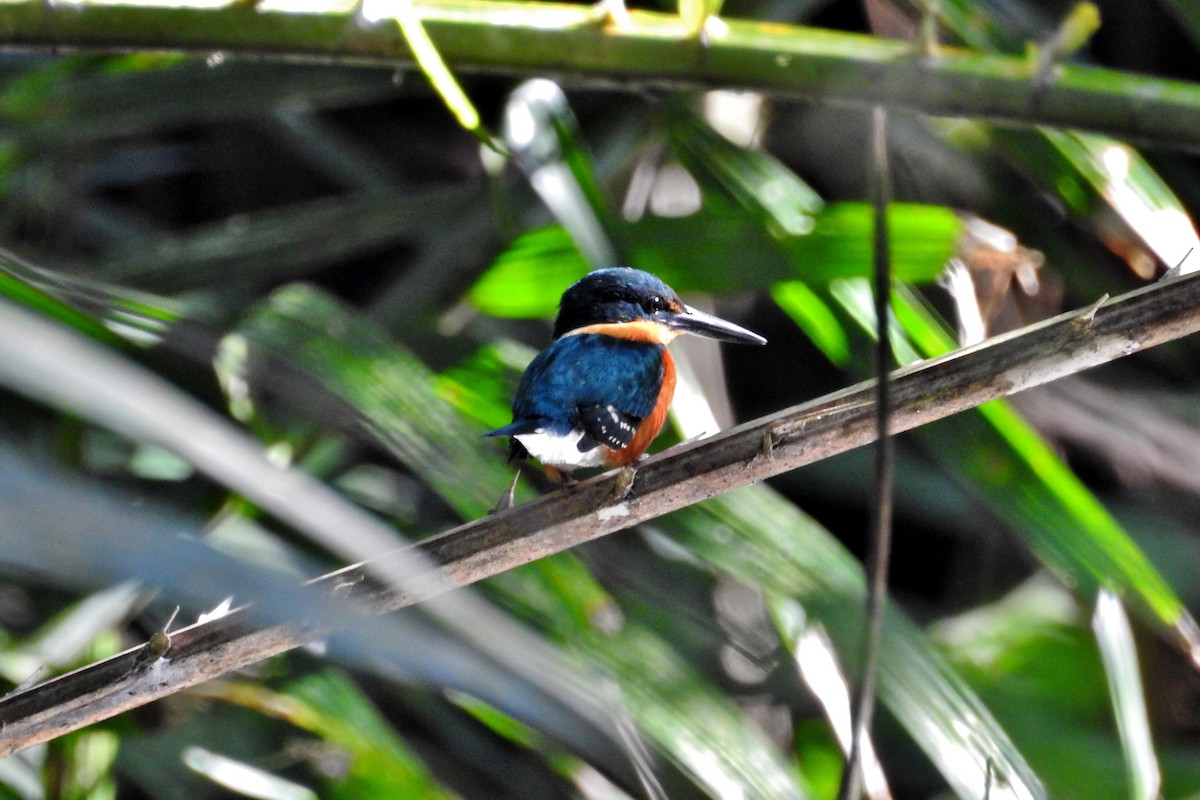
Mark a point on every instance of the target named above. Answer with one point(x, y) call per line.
point(598, 395)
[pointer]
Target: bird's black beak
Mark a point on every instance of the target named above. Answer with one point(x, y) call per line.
point(692, 320)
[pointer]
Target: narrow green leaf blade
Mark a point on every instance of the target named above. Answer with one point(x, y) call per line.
point(692, 721)
point(389, 389)
point(757, 536)
point(814, 316)
point(1008, 464)
point(17, 287)
point(752, 179)
point(381, 764)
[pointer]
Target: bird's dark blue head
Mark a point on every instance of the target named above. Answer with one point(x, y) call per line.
point(621, 294)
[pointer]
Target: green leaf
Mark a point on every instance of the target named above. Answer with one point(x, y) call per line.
point(691, 720)
point(84, 761)
point(380, 765)
point(1084, 170)
point(1119, 176)
point(719, 249)
point(1030, 642)
point(81, 98)
point(1032, 658)
point(752, 179)
point(1005, 462)
point(390, 390)
point(17, 287)
point(103, 312)
point(527, 279)
point(481, 387)
point(814, 316)
point(760, 538)
point(278, 243)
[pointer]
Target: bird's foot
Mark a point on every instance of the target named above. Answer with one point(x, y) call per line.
point(559, 476)
point(507, 497)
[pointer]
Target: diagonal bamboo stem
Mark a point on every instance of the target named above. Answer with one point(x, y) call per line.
point(769, 446)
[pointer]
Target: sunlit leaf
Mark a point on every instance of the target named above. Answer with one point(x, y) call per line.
point(752, 179)
point(242, 778)
point(824, 676)
point(720, 250)
point(1121, 177)
point(528, 278)
point(1032, 658)
point(543, 134)
point(1119, 655)
point(855, 298)
point(1081, 169)
point(815, 318)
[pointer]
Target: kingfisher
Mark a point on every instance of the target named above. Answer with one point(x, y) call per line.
point(598, 394)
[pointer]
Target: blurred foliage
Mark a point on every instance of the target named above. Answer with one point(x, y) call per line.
point(323, 255)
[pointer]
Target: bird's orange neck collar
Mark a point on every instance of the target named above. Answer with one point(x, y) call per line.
point(640, 330)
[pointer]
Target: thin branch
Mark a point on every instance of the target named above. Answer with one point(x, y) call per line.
point(684, 475)
point(571, 43)
point(880, 533)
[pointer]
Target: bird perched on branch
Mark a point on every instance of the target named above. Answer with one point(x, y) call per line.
point(598, 395)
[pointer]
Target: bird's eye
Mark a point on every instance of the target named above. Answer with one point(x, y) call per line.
point(657, 303)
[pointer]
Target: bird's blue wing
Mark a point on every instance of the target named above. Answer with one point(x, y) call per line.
point(579, 379)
